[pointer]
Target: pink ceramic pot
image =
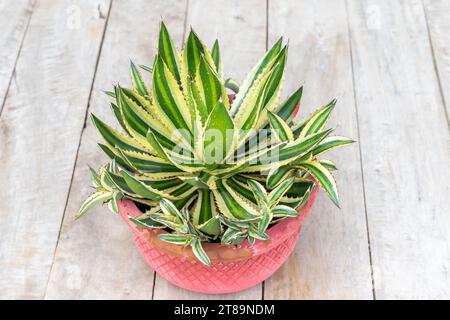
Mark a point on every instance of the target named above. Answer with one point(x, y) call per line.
point(233, 268)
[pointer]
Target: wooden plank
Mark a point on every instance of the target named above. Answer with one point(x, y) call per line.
point(241, 29)
point(331, 260)
point(437, 13)
point(96, 256)
point(405, 149)
point(40, 128)
point(14, 18)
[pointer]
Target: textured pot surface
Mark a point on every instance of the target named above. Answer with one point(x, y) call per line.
point(233, 268)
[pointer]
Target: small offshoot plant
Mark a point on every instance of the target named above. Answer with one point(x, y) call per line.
point(206, 167)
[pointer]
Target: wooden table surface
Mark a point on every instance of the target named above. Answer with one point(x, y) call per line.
point(388, 62)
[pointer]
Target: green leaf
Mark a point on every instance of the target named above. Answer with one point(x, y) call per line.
point(317, 120)
point(146, 163)
point(134, 96)
point(287, 153)
point(199, 252)
point(300, 187)
point(298, 194)
point(330, 143)
point(259, 192)
point(277, 175)
point(259, 233)
point(169, 209)
point(168, 221)
point(144, 116)
point(195, 182)
point(166, 185)
point(160, 176)
point(156, 145)
point(168, 97)
point(211, 227)
point(328, 164)
point(114, 203)
point(276, 194)
point(183, 190)
point(229, 170)
point(286, 109)
point(146, 223)
point(119, 118)
point(215, 53)
point(209, 86)
point(137, 81)
point(186, 220)
point(218, 135)
point(168, 52)
point(302, 145)
point(274, 83)
point(179, 239)
point(110, 94)
point(305, 197)
point(105, 179)
point(324, 177)
point(120, 183)
point(242, 188)
point(93, 200)
point(232, 236)
point(284, 211)
point(143, 190)
point(282, 130)
point(232, 205)
point(234, 224)
point(135, 126)
point(267, 217)
point(192, 51)
point(179, 160)
point(205, 208)
point(114, 138)
point(95, 178)
point(244, 89)
point(146, 68)
point(246, 115)
point(262, 96)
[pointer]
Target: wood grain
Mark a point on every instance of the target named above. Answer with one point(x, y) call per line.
point(241, 29)
point(96, 256)
point(437, 13)
point(40, 129)
point(405, 149)
point(13, 25)
point(331, 260)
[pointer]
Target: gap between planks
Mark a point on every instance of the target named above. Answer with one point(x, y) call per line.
point(436, 69)
point(79, 142)
point(360, 151)
point(13, 72)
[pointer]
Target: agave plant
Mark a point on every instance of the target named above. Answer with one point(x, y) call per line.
point(202, 166)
